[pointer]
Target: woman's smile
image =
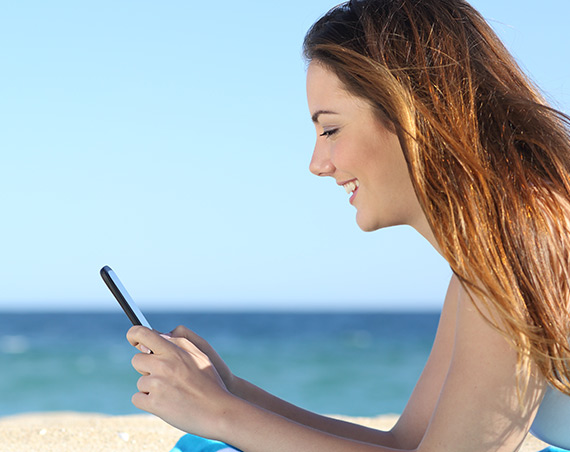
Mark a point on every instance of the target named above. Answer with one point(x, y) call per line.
point(351, 187)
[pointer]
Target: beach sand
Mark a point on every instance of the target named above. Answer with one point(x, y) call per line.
point(85, 432)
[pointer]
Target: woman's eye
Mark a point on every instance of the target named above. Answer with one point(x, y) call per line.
point(328, 133)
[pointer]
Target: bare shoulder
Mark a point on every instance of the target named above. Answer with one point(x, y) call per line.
point(480, 407)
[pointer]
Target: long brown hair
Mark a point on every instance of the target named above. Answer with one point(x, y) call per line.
point(488, 158)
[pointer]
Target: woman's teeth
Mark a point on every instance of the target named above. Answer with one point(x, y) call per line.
point(351, 186)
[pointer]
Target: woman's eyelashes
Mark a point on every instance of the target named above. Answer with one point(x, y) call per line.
point(328, 133)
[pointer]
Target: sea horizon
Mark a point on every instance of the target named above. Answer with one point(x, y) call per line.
point(354, 364)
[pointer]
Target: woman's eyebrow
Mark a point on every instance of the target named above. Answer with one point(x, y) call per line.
point(318, 113)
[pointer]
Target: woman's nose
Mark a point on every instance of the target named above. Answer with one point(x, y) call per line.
point(321, 164)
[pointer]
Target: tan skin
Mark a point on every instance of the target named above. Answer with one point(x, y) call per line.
point(466, 398)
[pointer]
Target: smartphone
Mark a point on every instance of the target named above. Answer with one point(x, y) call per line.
point(116, 287)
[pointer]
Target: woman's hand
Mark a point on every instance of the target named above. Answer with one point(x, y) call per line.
point(223, 370)
point(179, 383)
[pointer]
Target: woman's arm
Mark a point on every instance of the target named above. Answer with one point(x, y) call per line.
point(413, 423)
point(180, 385)
point(248, 392)
point(257, 396)
point(480, 407)
point(411, 426)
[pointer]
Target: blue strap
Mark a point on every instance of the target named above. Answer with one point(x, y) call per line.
point(553, 449)
point(192, 443)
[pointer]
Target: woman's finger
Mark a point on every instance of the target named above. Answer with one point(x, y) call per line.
point(141, 400)
point(180, 331)
point(141, 363)
point(146, 339)
point(183, 332)
point(184, 344)
point(144, 384)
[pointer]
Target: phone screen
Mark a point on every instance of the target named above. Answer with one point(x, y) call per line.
point(116, 287)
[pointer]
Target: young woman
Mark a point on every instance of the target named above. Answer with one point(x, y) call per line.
point(427, 120)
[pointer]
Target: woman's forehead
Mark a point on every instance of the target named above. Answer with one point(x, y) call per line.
point(326, 92)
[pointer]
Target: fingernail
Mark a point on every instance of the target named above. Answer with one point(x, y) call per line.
point(166, 336)
point(144, 349)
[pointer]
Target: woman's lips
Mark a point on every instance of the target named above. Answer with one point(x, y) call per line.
point(351, 187)
point(351, 199)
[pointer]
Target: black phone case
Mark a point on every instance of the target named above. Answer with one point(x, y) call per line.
point(118, 295)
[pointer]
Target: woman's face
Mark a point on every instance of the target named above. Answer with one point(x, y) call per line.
point(360, 153)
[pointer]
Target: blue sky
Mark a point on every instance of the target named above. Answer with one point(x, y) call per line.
point(171, 141)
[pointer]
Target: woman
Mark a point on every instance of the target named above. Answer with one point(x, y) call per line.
point(427, 120)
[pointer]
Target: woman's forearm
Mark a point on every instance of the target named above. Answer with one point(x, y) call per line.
point(257, 396)
point(254, 429)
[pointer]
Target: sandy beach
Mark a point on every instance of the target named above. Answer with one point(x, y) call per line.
point(72, 432)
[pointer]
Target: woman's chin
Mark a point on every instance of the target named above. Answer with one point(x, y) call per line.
point(366, 225)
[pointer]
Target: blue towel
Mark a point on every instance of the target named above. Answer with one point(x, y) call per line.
point(192, 443)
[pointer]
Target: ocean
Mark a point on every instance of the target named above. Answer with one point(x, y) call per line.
point(355, 364)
